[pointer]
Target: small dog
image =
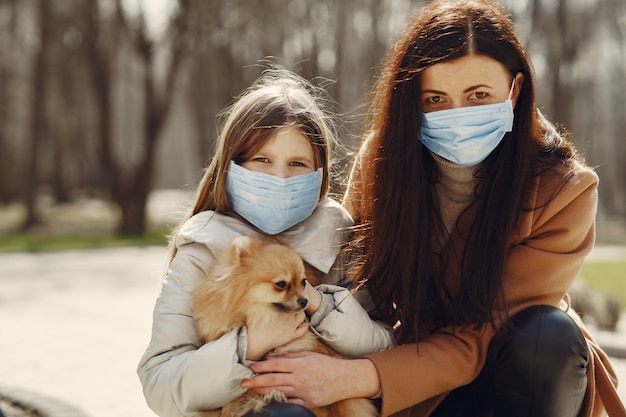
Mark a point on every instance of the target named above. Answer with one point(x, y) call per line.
point(258, 281)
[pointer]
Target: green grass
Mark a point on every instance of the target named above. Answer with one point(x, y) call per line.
point(606, 278)
point(47, 243)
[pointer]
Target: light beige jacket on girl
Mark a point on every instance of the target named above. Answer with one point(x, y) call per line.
point(181, 376)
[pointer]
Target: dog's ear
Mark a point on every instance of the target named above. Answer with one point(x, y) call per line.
point(243, 247)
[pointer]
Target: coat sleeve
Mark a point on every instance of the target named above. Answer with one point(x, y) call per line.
point(346, 319)
point(343, 323)
point(542, 265)
point(178, 374)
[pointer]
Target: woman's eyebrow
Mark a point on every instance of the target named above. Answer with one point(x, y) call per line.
point(467, 90)
point(477, 86)
point(431, 91)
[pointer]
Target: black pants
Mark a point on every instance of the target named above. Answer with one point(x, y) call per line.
point(535, 367)
point(282, 410)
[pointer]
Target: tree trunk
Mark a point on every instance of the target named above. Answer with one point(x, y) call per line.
point(38, 121)
point(132, 193)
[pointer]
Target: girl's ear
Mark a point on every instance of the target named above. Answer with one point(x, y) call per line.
point(517, 87)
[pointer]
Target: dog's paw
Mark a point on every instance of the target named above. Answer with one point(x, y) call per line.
point(275, 397)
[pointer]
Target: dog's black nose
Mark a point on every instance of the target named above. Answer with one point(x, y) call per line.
point(303, 301)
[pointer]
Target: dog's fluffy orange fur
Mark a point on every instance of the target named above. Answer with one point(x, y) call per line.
point(261, 281)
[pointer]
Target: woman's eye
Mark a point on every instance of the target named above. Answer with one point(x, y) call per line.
point(433, 99)
point(480, 95)
point(280, 285)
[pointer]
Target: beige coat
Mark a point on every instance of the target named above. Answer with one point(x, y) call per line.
point(547, 255)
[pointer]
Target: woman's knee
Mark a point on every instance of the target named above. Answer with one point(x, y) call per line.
point(539, 364)
point(541, 336)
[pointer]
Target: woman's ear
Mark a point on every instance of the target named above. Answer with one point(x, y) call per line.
point(517, 87)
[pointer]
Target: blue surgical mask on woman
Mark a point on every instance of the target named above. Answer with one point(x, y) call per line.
point(271, 203)
point(467, 135)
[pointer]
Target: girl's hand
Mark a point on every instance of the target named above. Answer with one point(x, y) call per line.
point(314, 296)
point(313, 379)
point(264, 337)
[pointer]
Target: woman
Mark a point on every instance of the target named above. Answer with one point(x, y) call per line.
point(474, 216)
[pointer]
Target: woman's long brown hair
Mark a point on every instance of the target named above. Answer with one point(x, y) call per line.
point(392, 197)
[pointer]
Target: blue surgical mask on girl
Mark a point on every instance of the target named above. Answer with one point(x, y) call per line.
point(271, 203)
point(467, 135)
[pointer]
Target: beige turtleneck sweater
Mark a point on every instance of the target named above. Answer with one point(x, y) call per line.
point(455, 189)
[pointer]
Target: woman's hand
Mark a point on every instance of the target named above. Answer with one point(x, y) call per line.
point(313, 379)
point(263, 337)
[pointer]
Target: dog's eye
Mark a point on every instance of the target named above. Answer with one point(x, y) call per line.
point(304, 282)
point(280, 285)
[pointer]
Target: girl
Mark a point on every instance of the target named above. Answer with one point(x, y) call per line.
point(270, 176)
point(475, 218)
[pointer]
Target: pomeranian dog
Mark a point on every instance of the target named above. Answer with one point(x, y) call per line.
point(256, 281)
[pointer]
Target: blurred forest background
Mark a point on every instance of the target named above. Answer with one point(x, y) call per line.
point(103, 102)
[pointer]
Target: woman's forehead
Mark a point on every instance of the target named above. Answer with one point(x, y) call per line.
point(465, 72)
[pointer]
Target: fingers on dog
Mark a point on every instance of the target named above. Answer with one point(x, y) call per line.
point(264, 383)
point(275, 364)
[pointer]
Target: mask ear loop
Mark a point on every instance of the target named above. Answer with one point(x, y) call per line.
point(511, 90)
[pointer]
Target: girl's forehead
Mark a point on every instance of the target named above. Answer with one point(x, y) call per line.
point(288, 139)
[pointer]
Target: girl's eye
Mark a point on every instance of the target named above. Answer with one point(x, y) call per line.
point(280, 285)
point(297, 164)
point(260, 159)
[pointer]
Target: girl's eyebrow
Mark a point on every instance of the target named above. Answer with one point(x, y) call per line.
point(303, 158)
